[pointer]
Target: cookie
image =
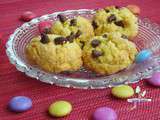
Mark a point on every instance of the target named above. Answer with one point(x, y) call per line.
point(79, 26)
point(54, 53)
point(115, 19)
point(109, 53)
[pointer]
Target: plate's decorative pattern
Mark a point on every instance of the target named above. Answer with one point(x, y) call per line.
point(148, 38)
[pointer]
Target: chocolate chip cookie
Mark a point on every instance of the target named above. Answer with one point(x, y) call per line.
point(109, 53)
point(54, 53)
point(115, 19)
point(79, 26)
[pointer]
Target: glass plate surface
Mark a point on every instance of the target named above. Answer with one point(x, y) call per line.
point(147, 38)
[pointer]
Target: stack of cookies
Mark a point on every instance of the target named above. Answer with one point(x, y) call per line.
point(102, 44)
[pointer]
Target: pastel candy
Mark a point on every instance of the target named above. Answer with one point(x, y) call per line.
point(134, 9)
point(104, 113)
point(27, 16)
point(122, 91)
point(44, 27)
point(143, 55)
point(20, 104)
point(155, 79)
point(60, 108)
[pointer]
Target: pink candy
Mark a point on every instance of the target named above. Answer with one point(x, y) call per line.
point(134, 9)
point(155, 79)
point(44, 26)
point(105, 113)
point(27, 16)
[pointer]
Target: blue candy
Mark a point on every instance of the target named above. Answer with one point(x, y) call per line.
point(20, 104)
point(143, 55)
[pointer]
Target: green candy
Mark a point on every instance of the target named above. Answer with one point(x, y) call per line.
point(122, 91)
point(60, 108)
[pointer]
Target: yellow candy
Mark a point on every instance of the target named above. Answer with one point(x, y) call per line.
point(122, 91)
point(60, 108)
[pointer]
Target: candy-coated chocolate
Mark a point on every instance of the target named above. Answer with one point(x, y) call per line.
point(44, 27)
point(122, 91)
point(134, 9)
point(20, 104)
point(143, 56)
point(155, 79)
point(27, 16)
point(104, 113)
point(60, 108)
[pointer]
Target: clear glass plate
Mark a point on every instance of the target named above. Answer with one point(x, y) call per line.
point(148, 38)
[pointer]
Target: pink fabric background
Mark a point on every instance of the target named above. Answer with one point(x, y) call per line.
point(13, 82)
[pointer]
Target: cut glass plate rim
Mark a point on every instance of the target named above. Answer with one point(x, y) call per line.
point(74, 82)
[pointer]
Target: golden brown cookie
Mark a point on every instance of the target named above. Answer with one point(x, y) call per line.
point(115, 19)
point(109, 53)
point(79, 26)
point(54, 53)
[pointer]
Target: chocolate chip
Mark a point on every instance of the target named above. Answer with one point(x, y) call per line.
point(95, 43)
point(96, 53)
point(119, 23)
point(62, 18)
point(111, 18)
point(106, 10)
point(60, 40)
point(94, 24)
point(104, 36)
point(78, 33)
point(82, 42)
point(47, 30)
point(124, 36)
point(117, 7)
point(73, 22)
point(71, 37)
point(44, 38)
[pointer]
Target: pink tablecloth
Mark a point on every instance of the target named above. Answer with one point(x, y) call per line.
point(13, 82)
